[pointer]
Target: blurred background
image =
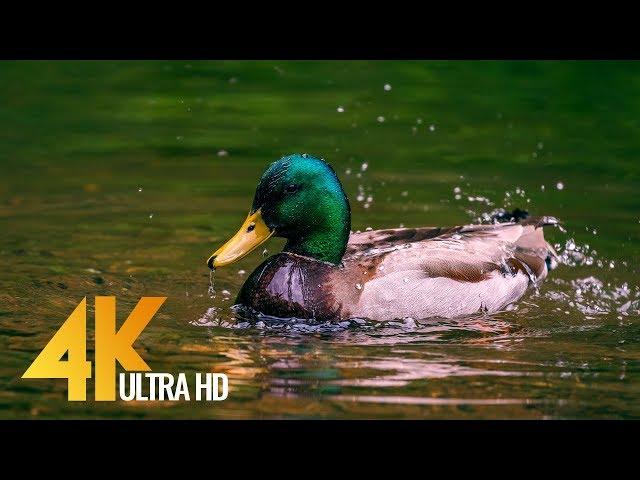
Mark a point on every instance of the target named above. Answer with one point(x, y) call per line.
point(120, 178)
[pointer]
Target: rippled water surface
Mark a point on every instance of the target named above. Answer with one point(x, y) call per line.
point(120, 178)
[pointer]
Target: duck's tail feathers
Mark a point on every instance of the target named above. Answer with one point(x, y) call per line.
point(533, 240)
point(552, 259)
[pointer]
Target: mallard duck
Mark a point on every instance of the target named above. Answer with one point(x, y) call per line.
point(328, 273)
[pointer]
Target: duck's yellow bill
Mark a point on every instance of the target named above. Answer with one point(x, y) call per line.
point(252, 233)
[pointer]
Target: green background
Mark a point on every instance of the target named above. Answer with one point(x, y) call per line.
point(79, 140)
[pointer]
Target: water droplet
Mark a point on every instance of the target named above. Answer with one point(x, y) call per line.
point(304, 155)
point(540, 145)
point(139, 189)
point(265, 252)
point(358, 286)
point(560, 185)
point(387, 87)
point(405, 193)
point(368, 229)
point(458, 196)
point(347, 171)
point(211, 290)
point(542, 187)
point(340, 109)
point(241, 272)
point(364, 166)
point(360, 198)
point(366, 205)
point(380, 119)
point(151, 215)
point(457, 190)
point(223, 153)
point(179, 138)
point(419, 121)
point(432, 128)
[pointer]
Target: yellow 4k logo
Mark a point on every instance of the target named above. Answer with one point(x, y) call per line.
point(109, 347)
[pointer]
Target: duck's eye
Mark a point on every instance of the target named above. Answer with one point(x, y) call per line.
point(251, 227)
point(291, 188)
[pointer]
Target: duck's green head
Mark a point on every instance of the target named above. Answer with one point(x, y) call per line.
point(300, 198)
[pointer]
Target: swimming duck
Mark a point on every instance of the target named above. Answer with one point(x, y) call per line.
point(328, 273)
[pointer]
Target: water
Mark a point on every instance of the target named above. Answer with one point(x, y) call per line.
point(121, 178)
point(211, 290)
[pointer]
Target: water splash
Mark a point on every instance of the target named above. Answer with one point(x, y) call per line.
point(572, 254)
point(209, 319)
point(587, 295)
point(403, 330)
point(591, 296)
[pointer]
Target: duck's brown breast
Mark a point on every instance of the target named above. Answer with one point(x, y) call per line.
point(289, 285)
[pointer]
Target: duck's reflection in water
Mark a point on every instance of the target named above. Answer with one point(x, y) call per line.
point(299, 358)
